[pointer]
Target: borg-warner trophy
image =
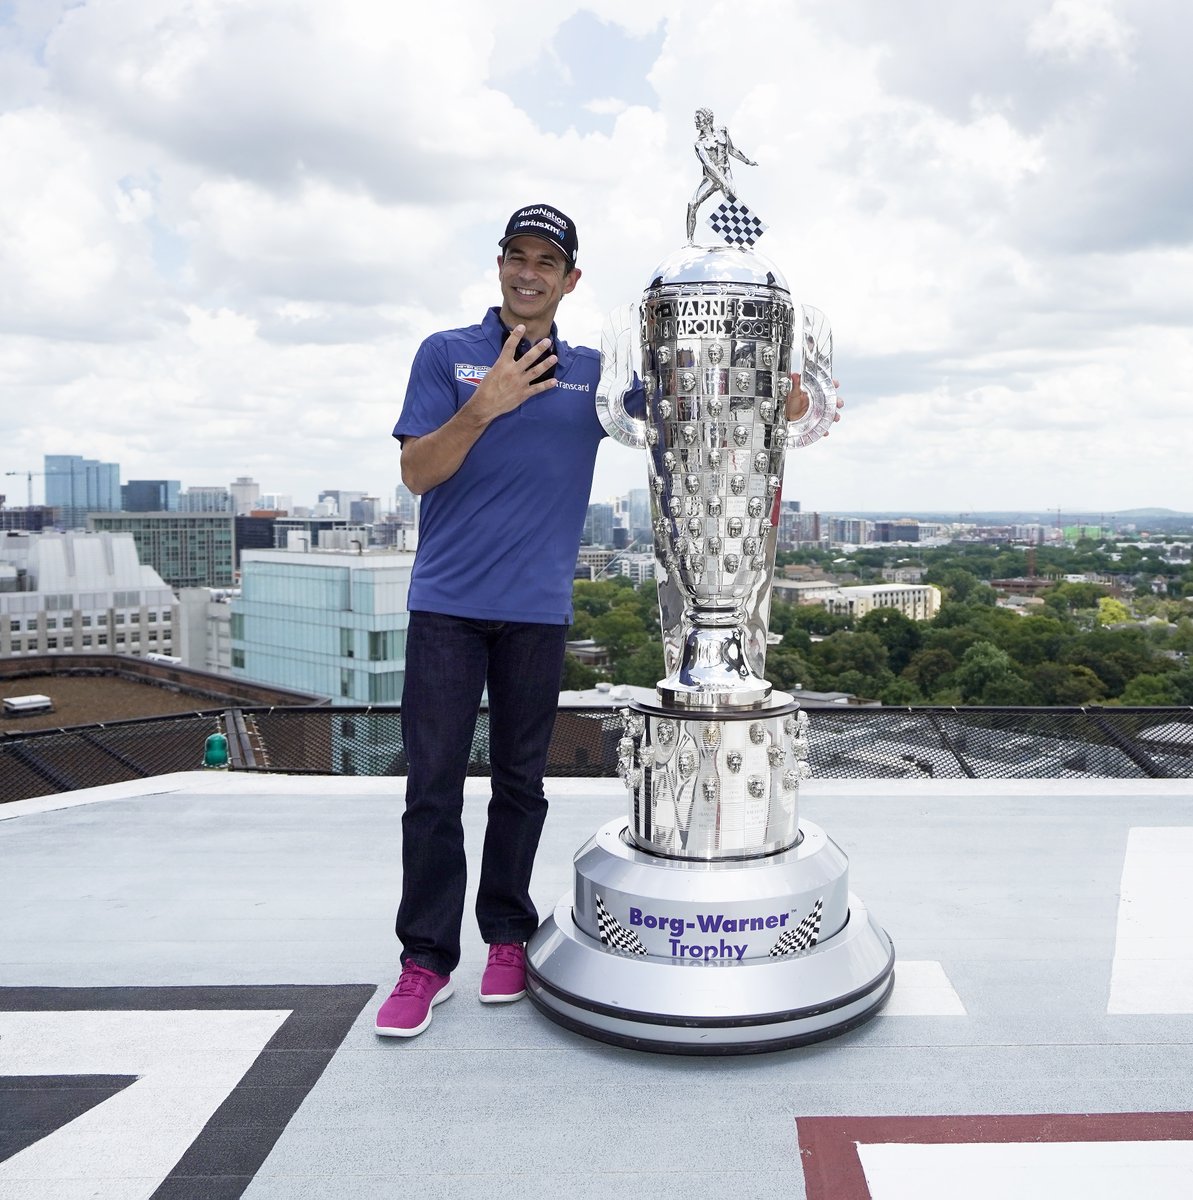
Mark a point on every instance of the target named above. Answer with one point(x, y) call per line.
point(711, 920)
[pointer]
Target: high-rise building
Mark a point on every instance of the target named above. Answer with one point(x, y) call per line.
point(31, 520)
point(205, 500)
point(406, 505)
point(253, 533)
point(81, 593)
point(150, 495)
point(903, 530)
point(341, 501)
point(598, 525)
point(797, 529)
point(245, 493)
point(639, 516)
point(186, 549)
point(76, 486)
point(365, 511)
point(852, 531)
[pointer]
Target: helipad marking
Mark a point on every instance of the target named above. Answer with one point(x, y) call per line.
point(922, 989)
point(1029, 1170)
point(187, 1063)
point(1044, 1156)
point(1152, 970)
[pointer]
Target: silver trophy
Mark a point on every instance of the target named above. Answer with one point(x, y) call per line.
point(713, 768)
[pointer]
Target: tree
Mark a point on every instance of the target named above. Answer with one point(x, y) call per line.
point(1067, 598)
point(901, 691)
point(620, 631)
point(1034, 640)
point(576, 675)
point(1112, 612)
point(956, 582)
point(1146, 691)
point(787, 669)
point(988, 676)
point(1066, 684)
point(643, 668)
point(930, 670)
point(898, 633)
point(852, 662)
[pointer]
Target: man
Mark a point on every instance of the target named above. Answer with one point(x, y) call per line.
point(499, 434)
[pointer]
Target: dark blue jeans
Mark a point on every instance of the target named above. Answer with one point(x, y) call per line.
point(449, 661)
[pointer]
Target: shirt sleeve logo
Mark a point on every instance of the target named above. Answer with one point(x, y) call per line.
point(469, 373)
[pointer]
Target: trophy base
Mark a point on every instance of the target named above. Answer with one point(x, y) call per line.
point(653, 957)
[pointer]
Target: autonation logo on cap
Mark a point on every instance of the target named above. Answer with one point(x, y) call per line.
point(542, 220)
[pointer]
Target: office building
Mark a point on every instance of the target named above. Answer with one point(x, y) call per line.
point(187, 549)
point(203, 638)
point(919, 602)
point(330, 622)
point(598, 525)
point(76, 486)
point(639, 517)
point(150, 495)
point(29, 520)
point(903, 530)
point(205, 500)
point(245, 493)
point(83, 593)
point(405, 505)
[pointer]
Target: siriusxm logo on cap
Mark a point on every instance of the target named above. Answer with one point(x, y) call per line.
point(546, 222)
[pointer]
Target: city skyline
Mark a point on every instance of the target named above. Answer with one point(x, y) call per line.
point(61, 473)
point(227, 228)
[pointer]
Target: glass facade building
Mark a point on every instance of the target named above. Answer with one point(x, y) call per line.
point(76, 486)
point(329, 623)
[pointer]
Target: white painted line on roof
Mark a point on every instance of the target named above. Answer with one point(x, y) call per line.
point(1028, 1170)
point(187, 1062)
point(1153, 951)
point(922, 989)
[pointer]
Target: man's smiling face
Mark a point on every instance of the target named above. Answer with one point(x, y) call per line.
point(535, 276)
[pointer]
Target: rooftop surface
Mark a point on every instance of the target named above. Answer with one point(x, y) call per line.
point(190, 966)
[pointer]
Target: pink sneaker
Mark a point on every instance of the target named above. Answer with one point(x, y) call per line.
point(407, 1012)
point(505, 974)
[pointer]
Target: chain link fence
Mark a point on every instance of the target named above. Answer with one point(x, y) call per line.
point(846, 743)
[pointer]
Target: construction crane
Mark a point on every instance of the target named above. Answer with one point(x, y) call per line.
point(29, 477)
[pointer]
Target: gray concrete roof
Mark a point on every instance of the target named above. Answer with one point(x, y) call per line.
point(1044, 973)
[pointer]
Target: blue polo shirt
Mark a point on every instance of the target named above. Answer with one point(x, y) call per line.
point(498, 540)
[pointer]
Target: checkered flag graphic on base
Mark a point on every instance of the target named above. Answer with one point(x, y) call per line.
point(803, 937)
point(736, 224)
point(615, 935)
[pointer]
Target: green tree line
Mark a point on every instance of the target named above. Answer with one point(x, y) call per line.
point(1081, 646)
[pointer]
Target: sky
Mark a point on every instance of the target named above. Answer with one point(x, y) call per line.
point(226, 225)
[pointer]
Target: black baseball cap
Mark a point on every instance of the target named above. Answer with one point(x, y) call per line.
point(546, 222)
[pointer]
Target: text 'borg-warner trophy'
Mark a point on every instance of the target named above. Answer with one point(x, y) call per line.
point(711, 920)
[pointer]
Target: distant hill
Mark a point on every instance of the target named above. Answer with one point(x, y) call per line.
point(1166, 518)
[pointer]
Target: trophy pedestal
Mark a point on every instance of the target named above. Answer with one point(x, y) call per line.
point(724, 957)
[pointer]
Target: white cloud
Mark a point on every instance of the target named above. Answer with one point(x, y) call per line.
point(1075, 29)
point(237, 221)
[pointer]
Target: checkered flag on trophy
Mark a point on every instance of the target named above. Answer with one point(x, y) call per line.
point(734, 222)
point(803, 937)
point(615, 935)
